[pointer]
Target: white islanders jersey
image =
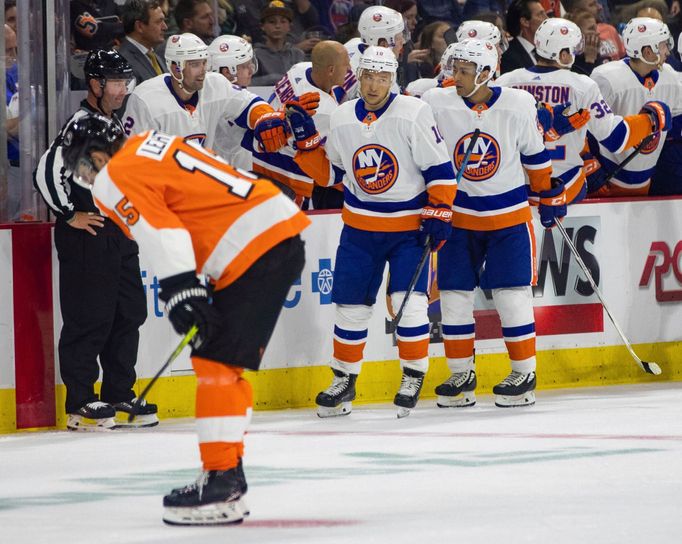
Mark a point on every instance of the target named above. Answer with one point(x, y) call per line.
point(388, 160)
point(626, 92)
point(492, 191)
point(557, 86)
point(154, 105)
point(281, 165)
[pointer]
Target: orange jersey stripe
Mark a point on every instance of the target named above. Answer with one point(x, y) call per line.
point(380, 223)
point(540, 179)
point(492, 222)
point(640, 127)
point(442, 194)
point(301, 188)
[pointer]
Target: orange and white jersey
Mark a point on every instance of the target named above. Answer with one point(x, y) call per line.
point(556, 86)
point(626, 92)
point(153, 105)
point(392, 162)
point(281, 166)
point(492, 191)
point(189, 210)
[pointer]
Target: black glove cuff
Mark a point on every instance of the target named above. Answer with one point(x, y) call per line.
point(180, 296)
point(171, 285)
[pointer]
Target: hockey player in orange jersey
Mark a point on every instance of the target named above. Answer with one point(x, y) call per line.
point(192, 213)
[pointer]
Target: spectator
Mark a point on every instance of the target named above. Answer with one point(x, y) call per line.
point(145, 25)
point(11, 14)
point(523, 19)
point(586, 61)
point(610, 44)
point(101, 296)
point(433, 42)
point(276, 55)
point(440, 10)
point(196, 17)
point(408, 9)
point(95, 24)
point(410, 57)
point(11, 101)
point(304, 17)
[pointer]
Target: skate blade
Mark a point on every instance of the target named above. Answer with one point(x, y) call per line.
point(139, 421)
point(403, 412)
point(527, 399)
point(463, 400)
point(218, 513)
point(80, 423)
point(342, 409)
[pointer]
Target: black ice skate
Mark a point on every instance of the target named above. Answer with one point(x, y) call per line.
point(407, 396)
point(457, 391)
point(93, 416)
point(216, 498)
point(146, 415)
point(517, 389)
point(337, 399)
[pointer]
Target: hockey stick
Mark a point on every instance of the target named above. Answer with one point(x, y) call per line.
point(629, 158)
point(182, 345)
point(427, 247)
point(646, 366)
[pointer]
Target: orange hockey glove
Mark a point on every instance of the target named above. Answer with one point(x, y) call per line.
point(308, 101)
point(270, 131)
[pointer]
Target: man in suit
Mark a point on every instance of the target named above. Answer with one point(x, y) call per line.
point(145, 25)
point(523, 19)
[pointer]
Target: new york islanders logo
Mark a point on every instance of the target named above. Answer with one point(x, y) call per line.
point(484, 160)
point(223, 47)
point(652, 145)
point(375, 168)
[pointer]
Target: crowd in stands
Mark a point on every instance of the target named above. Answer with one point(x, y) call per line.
point(284, 32)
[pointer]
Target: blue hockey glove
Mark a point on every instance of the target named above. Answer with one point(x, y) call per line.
point(552, 203)
point(302, 126)
point(436, 224)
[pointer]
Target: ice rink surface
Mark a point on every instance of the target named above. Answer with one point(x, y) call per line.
point(599, 465)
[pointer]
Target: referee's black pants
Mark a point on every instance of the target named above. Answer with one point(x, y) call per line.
point(103, 304)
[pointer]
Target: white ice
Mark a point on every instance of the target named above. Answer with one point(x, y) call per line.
point(600, 465)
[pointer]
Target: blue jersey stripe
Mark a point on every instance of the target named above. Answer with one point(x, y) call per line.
point(491, 202)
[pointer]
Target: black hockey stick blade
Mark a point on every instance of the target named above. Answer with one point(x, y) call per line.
point(182, 345)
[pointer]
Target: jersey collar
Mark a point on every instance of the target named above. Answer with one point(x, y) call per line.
point(485, 105)
point(361, 113)
point(542, 69)
point(190, 105)
point(648, 81)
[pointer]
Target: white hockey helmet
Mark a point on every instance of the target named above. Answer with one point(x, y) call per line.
point(446, 60)
point(380, 22)
point(645, 31)
point(378, 59)
point(482, 53)
point(482, 30)
point(556, 34)
point(183, 47)
point(230, 52)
